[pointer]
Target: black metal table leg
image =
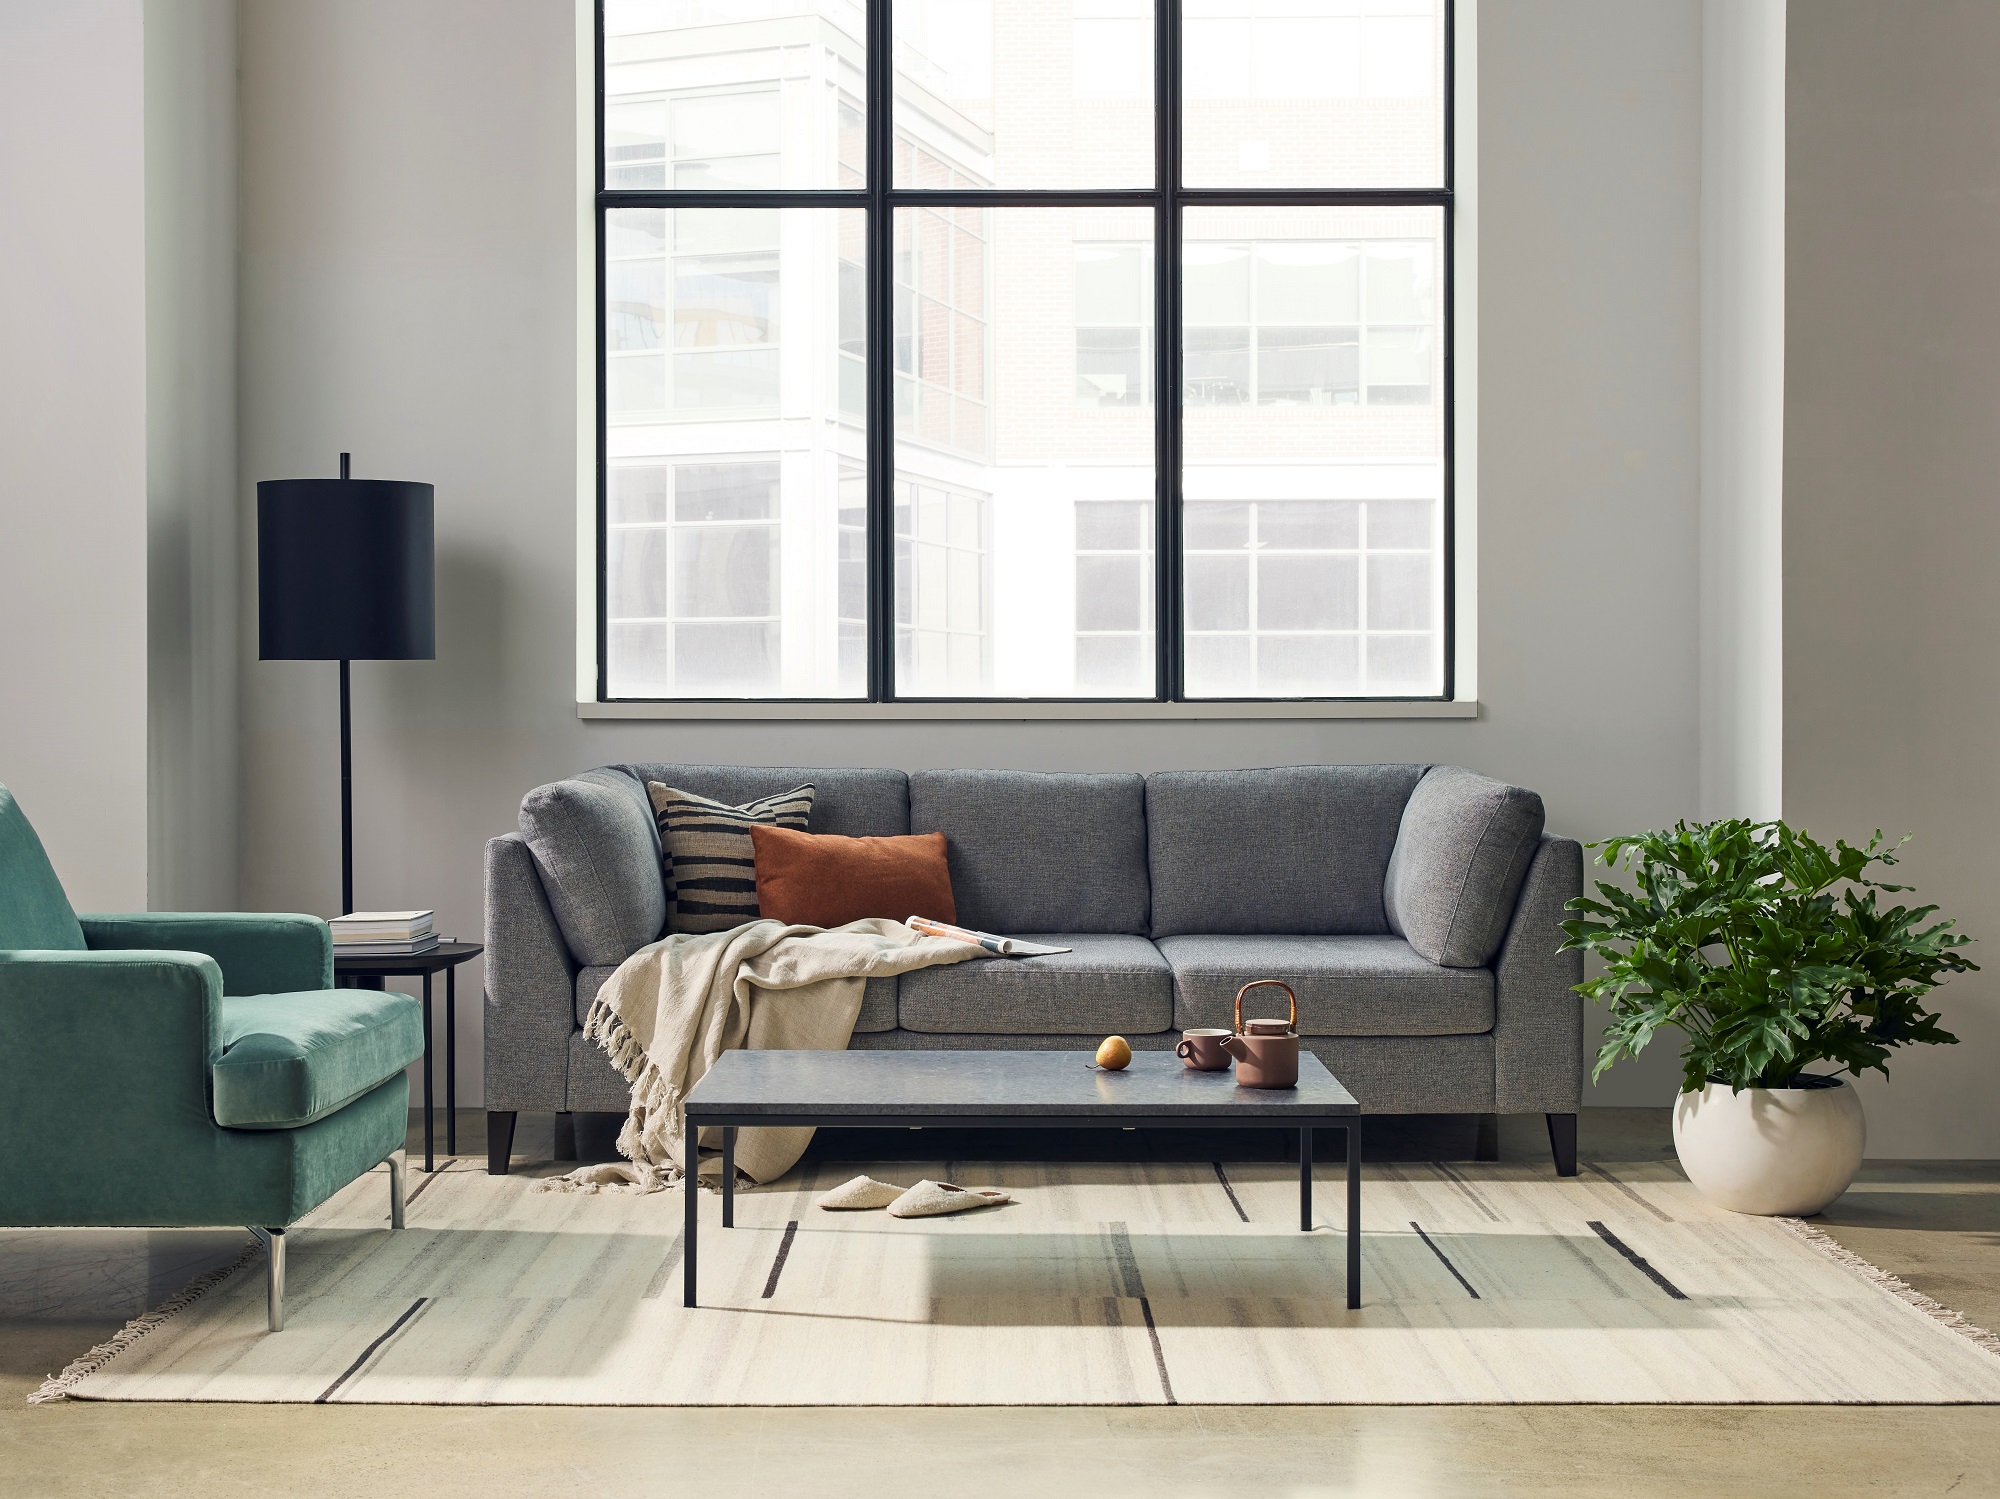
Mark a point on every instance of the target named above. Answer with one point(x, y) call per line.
point(429, 1164)
point(1306, 1180)
point(451, 1061)
point(729, 1176)
point(1353, 1214)
point(691, 1193)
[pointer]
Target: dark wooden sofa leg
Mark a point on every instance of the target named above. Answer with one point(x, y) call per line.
point(499, 1141)
point(1562, 1140)
point(1486, 1143)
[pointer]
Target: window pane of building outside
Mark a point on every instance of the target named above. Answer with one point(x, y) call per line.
point(1005, 93)
point(1312, 93)
point(735, 459)
point(1313, 452)
point(725, 94)
point(1011, 579)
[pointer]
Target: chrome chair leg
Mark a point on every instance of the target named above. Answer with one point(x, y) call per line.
point(273, 1240)
point(398, 1170)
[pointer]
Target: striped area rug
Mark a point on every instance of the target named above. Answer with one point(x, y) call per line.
point(1102, 1284)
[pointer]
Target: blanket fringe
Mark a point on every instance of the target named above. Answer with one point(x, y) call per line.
point(1901, 1289)
point(651, 1094)
point(57, 1386)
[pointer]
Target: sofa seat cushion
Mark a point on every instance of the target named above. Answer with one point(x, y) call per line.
point(1347, 986)
point(1109, 983)
point(878, 999)
point(289, 1059)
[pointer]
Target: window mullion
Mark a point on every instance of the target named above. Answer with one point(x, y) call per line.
point(1167, 344)
point(881, 355)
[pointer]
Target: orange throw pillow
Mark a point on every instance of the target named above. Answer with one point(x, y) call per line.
point(823, 879)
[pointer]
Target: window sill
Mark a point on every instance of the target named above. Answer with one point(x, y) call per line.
point(1029, 711)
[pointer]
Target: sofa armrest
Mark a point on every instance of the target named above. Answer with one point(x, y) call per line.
point(103, 1055)
point(530, 986)
point(1537, 1013)
point(258, 952)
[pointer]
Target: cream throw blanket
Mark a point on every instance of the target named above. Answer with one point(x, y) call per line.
point(672, 1008)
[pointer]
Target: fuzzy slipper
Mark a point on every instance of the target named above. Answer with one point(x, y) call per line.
point(929, 1199)
point(862, 1192)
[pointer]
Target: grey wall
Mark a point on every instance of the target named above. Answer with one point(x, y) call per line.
point(1892, 531)
point(408, 292)
point(192, 569)
point(73, 475)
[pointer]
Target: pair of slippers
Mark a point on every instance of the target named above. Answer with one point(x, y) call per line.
point(927, 1199)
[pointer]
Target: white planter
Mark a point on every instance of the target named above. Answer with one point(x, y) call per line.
point(1785, 1152)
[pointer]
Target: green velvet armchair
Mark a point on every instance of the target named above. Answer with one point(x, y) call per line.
point(169, 1070)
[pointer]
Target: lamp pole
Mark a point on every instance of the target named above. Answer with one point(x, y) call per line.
point(346, 774)
point(346, 796)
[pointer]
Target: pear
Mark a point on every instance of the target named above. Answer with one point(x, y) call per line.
point(1116, 1052)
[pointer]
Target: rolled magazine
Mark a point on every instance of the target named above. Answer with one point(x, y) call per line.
point(1006, 947)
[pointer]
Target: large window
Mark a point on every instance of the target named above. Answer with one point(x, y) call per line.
point(1002, 350)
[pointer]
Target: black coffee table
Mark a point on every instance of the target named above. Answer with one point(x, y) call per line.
point(1011, 1090)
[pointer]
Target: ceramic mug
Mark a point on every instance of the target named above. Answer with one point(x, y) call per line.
point(1204, 1050)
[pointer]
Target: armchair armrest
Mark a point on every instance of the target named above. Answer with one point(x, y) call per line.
point(106, 1059)
point(1537, 1014)
point(258, 952)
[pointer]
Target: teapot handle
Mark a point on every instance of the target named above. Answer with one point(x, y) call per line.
point(1259, 983)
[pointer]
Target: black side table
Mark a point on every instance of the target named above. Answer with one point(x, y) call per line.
point(357, 972)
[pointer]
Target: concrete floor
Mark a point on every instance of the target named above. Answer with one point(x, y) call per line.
point(1935, 1224)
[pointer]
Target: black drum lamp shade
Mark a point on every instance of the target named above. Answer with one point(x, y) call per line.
point(345, 570)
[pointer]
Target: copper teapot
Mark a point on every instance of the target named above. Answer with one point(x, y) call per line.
point(1267, 1052)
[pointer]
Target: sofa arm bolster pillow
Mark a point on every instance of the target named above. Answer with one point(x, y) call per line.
point(1461, 853)
point(599, 857)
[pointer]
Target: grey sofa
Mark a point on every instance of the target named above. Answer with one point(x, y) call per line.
point(1413, 908)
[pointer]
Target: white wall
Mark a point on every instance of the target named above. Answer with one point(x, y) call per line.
point(408, 293)
point(190, 351)
point(1892, 530)
point(73, 662)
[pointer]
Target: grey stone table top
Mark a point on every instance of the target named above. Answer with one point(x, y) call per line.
point(1024, 1084)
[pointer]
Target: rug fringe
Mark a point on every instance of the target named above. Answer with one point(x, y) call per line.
point(57, 1386)
point(1901, 1289)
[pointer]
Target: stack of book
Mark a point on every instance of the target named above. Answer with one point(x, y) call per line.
point(382, 934)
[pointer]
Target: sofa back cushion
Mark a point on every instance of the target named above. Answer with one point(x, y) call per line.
point(598, 854)
point(1462, 852)
point(34, 912)
point(1299, 849)
point(1038, 853)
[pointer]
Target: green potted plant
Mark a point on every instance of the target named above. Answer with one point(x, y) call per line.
point(1771, 954)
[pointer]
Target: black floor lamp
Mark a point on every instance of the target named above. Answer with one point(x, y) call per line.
point(345, 572)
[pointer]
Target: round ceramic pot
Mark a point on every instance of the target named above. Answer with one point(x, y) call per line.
point(1781, 1152)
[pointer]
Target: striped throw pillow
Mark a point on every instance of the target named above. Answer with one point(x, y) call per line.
point(708, 859)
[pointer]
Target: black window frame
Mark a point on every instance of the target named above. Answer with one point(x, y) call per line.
point(1168, 198)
